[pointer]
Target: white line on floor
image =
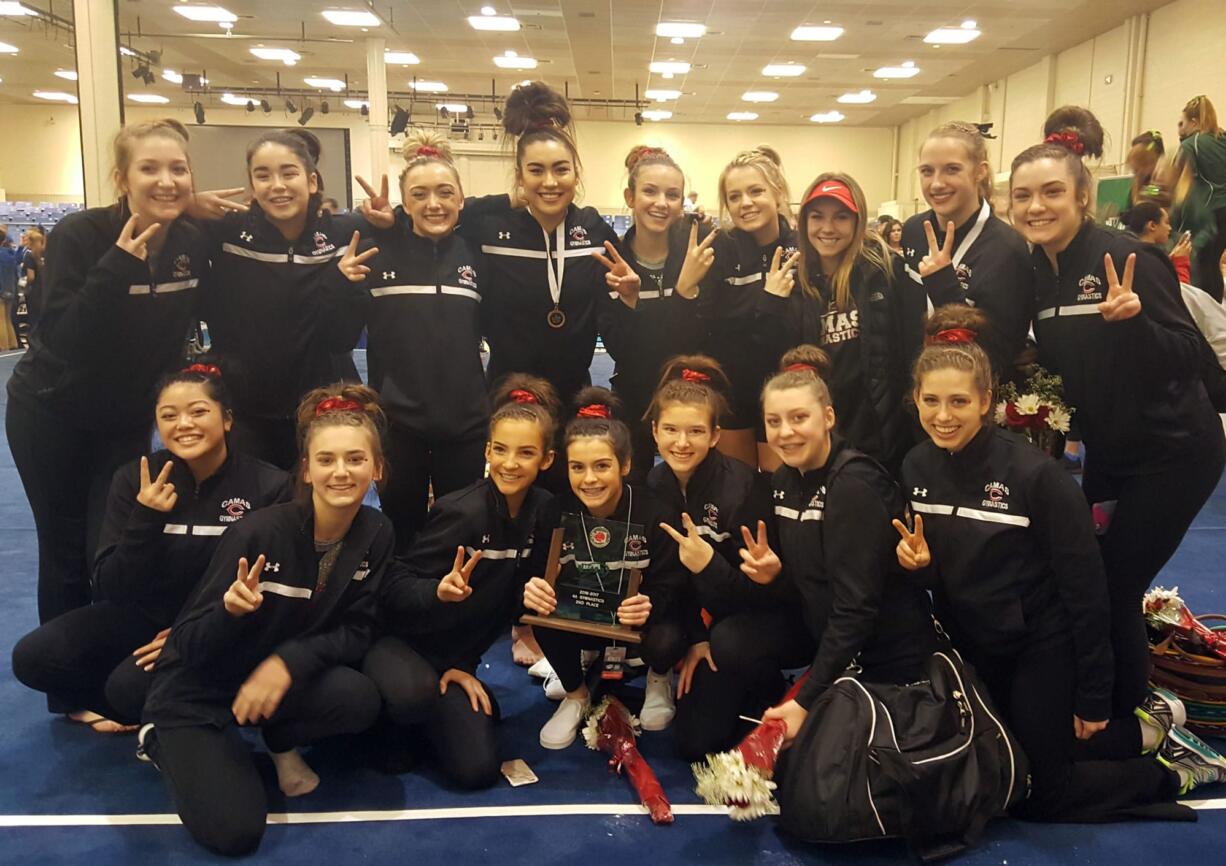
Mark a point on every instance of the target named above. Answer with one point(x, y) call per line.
point(11, 354)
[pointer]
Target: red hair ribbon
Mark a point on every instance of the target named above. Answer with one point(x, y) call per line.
point(953, 335)
point(519, 395)
point(337, 404)
point(210, 370)
point(427, 150)
point(594, 410)
point(800, 368)
point(1071, 140)
point(694, 376)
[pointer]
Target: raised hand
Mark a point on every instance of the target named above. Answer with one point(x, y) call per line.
point(378, 208)
point(781, 278)
point(454, 587)
point(695, 551)
point(472, 687)
point(1122, 302)
point(353, 265)
point(758, 561)
point(912, 551)
point(540, 597)
point(1183, 247)
point(136, 244)
point(621, 278)
point(693, 657)
point(633, 611)
point(244, 596)
point(698, 260)
point(158, 494)
point(213, 204)
point(259, 697)
point(938, 256)
point(152, 651)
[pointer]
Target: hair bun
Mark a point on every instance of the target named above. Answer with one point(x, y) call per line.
point(534, 105)
point(419, 138)
point(314, 148)
point(770, 153)
point(806, 355)
point(640, 151)
point(955, 317)
point(173, 124)
point(596, 402)
point(1072, 125)
point(523, 388)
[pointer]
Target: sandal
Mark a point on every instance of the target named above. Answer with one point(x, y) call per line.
point(99, 724)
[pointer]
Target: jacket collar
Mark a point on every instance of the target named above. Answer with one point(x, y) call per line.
point(267, 233)
point(809, 481)
point(976, 450)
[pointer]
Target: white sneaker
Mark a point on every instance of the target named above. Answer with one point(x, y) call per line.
point(559, 732)
point(541, 670)
point(554, 690)
point(658, 705)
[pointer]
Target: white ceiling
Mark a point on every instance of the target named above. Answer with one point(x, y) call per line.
point(597, 49)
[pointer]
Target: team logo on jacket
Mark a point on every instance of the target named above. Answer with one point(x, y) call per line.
point(779, 494)
point(363, 570)
point(819, 498)
point(234, 509)
point(711, 515)
point(247, 237)
point(274, 567)
point(322, 244)
point(467, 276)
point(1091, 288)
point(182, 266)
point(840, 327)
point(578, 237)
point(599, 536)
point(919, 491)
point(997, 494)
point(636, 544)
point(963, 272)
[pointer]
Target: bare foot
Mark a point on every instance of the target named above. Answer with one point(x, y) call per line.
point(524, 649)
point(100, 724)
point(293, 775)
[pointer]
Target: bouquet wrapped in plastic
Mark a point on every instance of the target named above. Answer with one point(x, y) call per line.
point(1040, 413)
point(742, 779)
point(1165, 611)
point(611, 728)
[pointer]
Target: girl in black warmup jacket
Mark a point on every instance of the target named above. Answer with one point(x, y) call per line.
point(597, 448)
point(459, 588)
point(641, 331)
point(274, 316)
point(1003, 537)
point(832, 505)
point(273, 646)
point(121, 292)
point(850, 304)
point(755, 630)
point(164, 519)
point(1130, 357)
point(424, 290)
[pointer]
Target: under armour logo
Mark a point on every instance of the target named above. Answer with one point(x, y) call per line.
point(485, 539)
point(778, 494)
point(504, 236)
point(919, 491)
point(389, 275)
point(247, 236)
point(273, 567)
point(738, 267)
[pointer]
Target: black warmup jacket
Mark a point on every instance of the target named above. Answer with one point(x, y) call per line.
point(513, 550)
point(837, 546)
point(517, 301)
point(723, 495)
point(153, 559)
point(1135, 385)
point(274, 316)
point(868, 347)
point(993, 274)
point(1015, 563)
point(422, 310)
point(728, 299)
point(210, 653)
point(663, 324)
point(112, 325)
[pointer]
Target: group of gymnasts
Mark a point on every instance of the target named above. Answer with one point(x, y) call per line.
point(829, 474)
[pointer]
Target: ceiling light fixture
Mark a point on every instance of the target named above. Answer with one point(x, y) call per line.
point(511, 60)
point(864, 97)
point(681, 30)
point(452, 107)
point(286, 55)
point(55, 96)
point(401, 58)
point(266, 106)
point(816, 34)
point(172, 76)
point(783, 70)
point(67, 74)
point(498, 23)
point(742, 115)
point(10, 8)
point(206, 13)
point(907, 70)
point(232, 99)
point(198, 110)
point(149, 98)
point(656, 115)
point(953, 35)
point(669, 67)
point(428, 86)
point(759, 96)
point(333, 84)
point(663, 95)
point(400, 121)
point(351, 17)
point(828, 117)
point(307, 114)
point(356, 103)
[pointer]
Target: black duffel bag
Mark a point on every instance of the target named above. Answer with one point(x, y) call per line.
point(930, 762)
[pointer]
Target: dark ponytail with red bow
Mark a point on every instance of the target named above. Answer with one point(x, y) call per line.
point(521, 397)
point(597, 416)
point(952, 337)
point(693, 380)
point(344, 404)
point(1071, 134)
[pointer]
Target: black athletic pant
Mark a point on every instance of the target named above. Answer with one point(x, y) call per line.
point(1206, 264)
point(1035, 691)
point(1152, 515)
point(82, 660)
point(273, 440)
point(217, 789)
point(464, 742)
point(663, 645)
point(750, 650)
point(414, 463)
point(66, 472)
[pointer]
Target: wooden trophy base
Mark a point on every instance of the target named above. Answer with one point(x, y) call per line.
point(578, 626)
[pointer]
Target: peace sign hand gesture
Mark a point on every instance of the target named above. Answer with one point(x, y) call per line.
point(938, 257)
point(1122, 302)
point(912, 551)
point(213, 204)
point(781, 279)
point(378, 208)
point(353, 265)
point(454, 587)
point(136, 244)
point(244, 596)
point(695, 551)
point(698, 260)
point(158, 494)
point(758, 561)
point(621, 278)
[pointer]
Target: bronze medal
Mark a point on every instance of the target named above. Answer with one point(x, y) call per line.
point(556, 318)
